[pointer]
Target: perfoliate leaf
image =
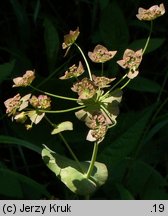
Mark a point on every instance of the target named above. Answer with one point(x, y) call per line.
point(67, 125)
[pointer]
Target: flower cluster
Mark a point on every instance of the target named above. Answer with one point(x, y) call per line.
point(101, 54)
point(40, 102)
point(25, 80)
point(152, 13)
point(18, 107)
point(131, 60)
point(73, 71)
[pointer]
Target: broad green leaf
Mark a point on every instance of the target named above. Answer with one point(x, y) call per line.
point(127, 140)
point(23, 22)
point(67, 125)
point(154, 44)
point(20, 142)
point(6, 69)
point(145, 181)
point(144, 85)
point(125, 194)
point(113, 27)
point(36, 11)
point(158, 126)
point(51, 42)
point(70, 174)
point(13, 184)
point(103, 3)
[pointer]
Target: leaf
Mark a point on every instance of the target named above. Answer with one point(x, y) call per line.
point(146, 182)
point(154, 44)
point(67, 125)
point(103, 3)
point(13, 184)
point(127, 139)
point(113, 28)
point(20, 142)
point(70, 174)
point(51, 42)
point(158, 126)
point(144, 85)
point(124, 193)
point(6, 70)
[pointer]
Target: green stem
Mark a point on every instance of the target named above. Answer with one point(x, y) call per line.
point(86, 62)
point(94, 155)
point(67, 145)
point(53, 95)
point(122, 78)
point(61, 111)
point(148, 39)
point(71, 152)
point(125, 84)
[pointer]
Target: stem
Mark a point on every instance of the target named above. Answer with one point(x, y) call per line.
point(125, 84)
point(53, 95)
point(94, 155)
point(86, 62)
point(71, 152)
point(67, 145)
point(115, 84)
point(148, 39)
point(61, 111)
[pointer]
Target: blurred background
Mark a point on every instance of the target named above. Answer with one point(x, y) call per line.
point(136, 149)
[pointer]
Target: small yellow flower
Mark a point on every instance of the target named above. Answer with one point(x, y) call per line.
point(152, 13)
point(101, 54)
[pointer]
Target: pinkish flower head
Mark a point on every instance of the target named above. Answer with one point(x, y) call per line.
point(85, 88)
point(101, 54)
point(73, 71)
point(12, 104)
point(25, 80)
point(152, 13)
point(131, 60)
point(102, 82)
point(40, 102)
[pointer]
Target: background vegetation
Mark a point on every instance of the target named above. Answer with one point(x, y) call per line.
point(136, 149)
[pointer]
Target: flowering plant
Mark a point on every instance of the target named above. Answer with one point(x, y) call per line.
point(98, 99)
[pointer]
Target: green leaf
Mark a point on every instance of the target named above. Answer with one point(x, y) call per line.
point(13, 184)
point(144, 85)
point(124, 193)
point(6, 70)
point(113, 27)
point(154, 44)
point(63, 126)
point(103, 3)
point(20, 142)
point(127, 139)
point(51, 42)
point(70, 174)
point(146, 182)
